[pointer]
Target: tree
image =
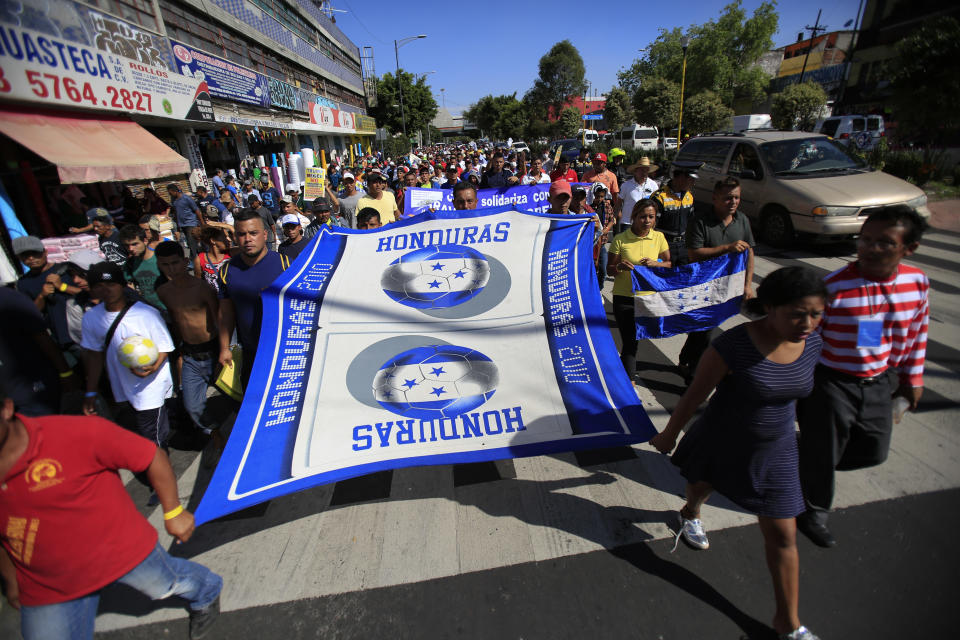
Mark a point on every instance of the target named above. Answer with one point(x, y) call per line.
point(720, 57)
point(926, 85)
point(798, 106)
point(500, 117)
point(561, 75)
point(419, 107)
point(569, 122)
point(705, 112)
point(618, 112)
point(657, 102)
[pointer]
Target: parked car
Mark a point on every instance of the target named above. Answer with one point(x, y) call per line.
point(668, 144)
point(570, 148)
point(797, 183)
point(862, 131)
point(519, 146)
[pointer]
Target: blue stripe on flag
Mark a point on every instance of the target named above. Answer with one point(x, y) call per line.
point(701, 318)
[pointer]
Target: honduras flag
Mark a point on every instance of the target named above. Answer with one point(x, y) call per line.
point(694, 297)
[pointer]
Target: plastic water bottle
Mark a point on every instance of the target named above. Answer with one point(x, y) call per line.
point(900, 406)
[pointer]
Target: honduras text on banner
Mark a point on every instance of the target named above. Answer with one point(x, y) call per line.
point(694, 297)
point(532, 197)
point(450, 337)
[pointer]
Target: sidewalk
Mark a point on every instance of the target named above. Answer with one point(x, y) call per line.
point(945, 215)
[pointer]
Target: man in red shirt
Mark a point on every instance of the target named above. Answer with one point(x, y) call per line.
point(875, 325)
point(68, 528)
point(563, 171)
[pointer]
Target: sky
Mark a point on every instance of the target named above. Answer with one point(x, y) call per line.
point(495, 46)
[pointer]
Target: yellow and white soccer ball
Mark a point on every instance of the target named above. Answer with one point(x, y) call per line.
point(137, 351)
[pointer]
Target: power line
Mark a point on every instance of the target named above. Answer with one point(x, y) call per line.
point(356, 17)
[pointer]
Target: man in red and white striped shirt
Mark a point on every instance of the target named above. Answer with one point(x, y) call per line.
point(874, 341)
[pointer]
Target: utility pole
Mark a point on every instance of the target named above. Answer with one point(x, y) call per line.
point(813, 34)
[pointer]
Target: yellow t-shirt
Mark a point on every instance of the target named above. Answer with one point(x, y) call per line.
point(633, 248)
point(386, 205)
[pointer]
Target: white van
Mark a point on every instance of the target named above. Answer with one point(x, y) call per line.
point(588, 136)
point(752, 121)
point(640, 136)
point(863, 131)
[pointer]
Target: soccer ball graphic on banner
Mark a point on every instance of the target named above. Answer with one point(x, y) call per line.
point(436, 277)
point(137, 351)
point(437, 381)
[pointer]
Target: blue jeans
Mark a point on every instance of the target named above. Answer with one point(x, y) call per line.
point(195, 377)
point(159, 576)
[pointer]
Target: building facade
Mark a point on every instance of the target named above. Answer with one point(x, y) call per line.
point(884, 23)
point(217, 81)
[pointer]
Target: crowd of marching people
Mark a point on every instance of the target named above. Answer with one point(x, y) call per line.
point(185, 272)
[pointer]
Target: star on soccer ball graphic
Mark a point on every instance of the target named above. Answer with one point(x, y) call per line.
point(436, 381)
point(436, 277)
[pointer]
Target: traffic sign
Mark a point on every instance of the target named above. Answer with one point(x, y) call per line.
point(592, 116)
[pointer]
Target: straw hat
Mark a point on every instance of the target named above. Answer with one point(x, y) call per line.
point(643, 162)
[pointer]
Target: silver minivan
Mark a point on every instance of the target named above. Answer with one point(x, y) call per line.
point(796, 183)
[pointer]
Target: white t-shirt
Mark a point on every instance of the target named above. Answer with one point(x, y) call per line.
point(140, 320)
point(632, 193)
point(529, 179)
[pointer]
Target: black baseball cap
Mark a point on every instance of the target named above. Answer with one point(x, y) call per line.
point(321, 204)
point(105, 272)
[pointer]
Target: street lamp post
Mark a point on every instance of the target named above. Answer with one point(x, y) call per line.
point(684, 43)
point(396, 51)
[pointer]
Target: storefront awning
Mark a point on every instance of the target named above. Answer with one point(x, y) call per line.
point(88, 149)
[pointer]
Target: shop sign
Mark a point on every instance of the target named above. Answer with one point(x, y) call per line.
point(37, 67)
point(323, 115)
point(367, 124)
point(224, 78)
point(77, 23)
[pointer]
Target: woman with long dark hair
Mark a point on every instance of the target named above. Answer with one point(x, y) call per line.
point(745, 444)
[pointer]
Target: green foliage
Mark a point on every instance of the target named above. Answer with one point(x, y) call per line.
point(904, 164)
point(798, 106)
point(926, 84)
point(720, 57)
point(568, 123)
point(499, 117)
point(396, 147)
point(419, 107)
point(705, 112)
point(561, 75)
point(657, 102)
point(618, 112)
point(919, 166)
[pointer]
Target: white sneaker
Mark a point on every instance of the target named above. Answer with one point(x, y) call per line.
point(691, 531)
point(799, 634)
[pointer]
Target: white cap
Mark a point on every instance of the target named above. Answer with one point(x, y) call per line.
point(287, 199)
point(347, 174)
point(292, 187)
point(290, 218)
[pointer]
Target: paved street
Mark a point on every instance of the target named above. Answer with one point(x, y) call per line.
point(578, 545)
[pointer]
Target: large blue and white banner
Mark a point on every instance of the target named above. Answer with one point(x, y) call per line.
point(450, 337)
point(528, 197)
point(694, 297)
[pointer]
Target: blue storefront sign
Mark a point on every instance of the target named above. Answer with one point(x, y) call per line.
point(224, 78)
